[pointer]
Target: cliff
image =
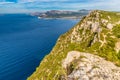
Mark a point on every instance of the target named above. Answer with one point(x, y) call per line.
point(88, 51)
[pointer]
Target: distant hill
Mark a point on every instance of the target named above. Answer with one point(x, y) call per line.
point(88, 51)
point(62, 14)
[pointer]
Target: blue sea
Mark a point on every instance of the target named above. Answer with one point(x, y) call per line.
point(25, 40)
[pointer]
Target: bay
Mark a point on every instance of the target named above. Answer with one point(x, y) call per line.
point(25, 40)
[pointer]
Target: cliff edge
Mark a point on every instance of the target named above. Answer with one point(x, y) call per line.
point(88, 51)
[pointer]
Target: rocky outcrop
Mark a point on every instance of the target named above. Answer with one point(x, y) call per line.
point(90, 67)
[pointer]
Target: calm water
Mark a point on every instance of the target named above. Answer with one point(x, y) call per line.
point(24, 41)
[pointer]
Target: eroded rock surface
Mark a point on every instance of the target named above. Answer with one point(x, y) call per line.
point(91, 67)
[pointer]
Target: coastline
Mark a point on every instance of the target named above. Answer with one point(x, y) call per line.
point(62, 18)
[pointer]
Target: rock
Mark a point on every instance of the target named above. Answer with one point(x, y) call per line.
point(70, 57)
point(109, 17)
point(109, 26)
point(117, 46)
point(95, 27)
point(94, 68)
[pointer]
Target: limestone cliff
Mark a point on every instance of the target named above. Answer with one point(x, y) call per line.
point(88, 51)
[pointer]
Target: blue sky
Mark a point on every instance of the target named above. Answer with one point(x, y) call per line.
point(23, 6)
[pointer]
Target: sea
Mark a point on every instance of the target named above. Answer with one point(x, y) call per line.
point(25, 40)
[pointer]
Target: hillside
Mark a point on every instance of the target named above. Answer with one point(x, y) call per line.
point(88, 51)
point(62, 14)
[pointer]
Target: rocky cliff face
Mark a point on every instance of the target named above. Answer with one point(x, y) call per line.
point(89, 51)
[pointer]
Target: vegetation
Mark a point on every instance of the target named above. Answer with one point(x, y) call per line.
point(113, 15)
point(116, 31)
point(98, 43)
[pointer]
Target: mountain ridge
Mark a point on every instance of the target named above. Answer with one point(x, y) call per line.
point(97, 34)
point(62, 14)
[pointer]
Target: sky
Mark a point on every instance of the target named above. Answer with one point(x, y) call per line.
point(27, 6)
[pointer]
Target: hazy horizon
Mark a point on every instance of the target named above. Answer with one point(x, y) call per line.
point(28, 6)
